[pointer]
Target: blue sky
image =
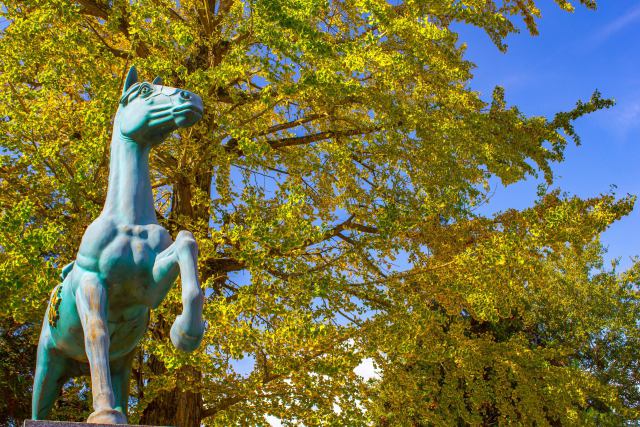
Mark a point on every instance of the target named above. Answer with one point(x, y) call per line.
point(575, 54)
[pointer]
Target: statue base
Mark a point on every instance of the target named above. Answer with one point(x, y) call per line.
point(45, 423)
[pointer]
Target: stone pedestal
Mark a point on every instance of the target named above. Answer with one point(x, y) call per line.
point(45, 423)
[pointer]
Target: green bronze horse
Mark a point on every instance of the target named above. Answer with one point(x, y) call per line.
point(125, 266)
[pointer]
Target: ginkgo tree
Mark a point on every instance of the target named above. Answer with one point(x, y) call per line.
point(332, 186)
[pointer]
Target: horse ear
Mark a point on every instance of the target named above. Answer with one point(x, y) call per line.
point(132, 77)
point(157, 81)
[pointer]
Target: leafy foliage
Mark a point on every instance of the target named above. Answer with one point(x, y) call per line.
point(17, 354)
point(332, 186)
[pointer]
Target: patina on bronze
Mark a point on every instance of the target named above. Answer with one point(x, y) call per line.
point(125, 265)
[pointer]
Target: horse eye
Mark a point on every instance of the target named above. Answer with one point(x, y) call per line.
point(145, 90)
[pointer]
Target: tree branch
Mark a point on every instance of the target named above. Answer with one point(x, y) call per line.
point(223, 265)
point(90, 7)
point(93, 8)
point(116, 52)
point(292, 124)
point(232, 144)
point(223, 10)
point(172, 11)
point(227, 402)
point(362, 227)
point(307, 139)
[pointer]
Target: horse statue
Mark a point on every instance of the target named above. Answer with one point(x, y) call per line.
point(125, 266)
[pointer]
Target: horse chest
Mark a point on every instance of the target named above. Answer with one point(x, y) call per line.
point(128, 259)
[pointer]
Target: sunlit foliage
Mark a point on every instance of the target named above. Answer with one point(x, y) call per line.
point(333, 187)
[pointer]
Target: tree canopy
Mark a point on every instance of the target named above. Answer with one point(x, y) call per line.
point(333, 186)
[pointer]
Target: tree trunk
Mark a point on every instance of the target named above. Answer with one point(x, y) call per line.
point(162, 411)
point(176, 407)
point(189, 409)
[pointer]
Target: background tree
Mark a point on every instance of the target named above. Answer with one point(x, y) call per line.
point(331, 186)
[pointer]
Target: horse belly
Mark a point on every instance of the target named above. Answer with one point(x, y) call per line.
point(125, 327)
point(124, 335)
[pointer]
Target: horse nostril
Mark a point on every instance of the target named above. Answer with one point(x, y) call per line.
point(185, 95)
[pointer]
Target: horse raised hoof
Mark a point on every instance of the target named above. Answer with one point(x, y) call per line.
point(179, 337)
point(107, 416)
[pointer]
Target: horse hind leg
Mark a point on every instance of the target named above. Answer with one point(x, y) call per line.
point(120, 374)
point(51, 374)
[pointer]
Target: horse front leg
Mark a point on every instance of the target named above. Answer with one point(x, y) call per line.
point(91, 303)
point(181, 256)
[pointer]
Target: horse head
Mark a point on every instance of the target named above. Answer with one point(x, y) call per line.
point(149, 112)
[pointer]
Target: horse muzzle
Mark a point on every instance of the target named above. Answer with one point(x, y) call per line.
point(189, 112)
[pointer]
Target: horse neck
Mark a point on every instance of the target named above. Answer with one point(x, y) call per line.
point(129, 196)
